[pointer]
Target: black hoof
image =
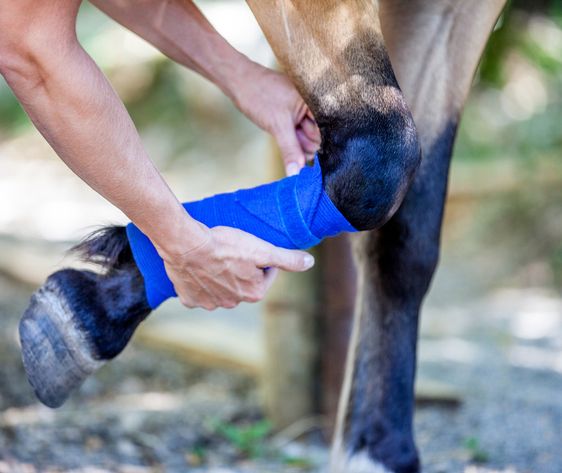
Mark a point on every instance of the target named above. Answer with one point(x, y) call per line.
point(76, 322)
point(56, 355)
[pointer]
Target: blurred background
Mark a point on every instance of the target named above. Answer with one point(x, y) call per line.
point(209, 392)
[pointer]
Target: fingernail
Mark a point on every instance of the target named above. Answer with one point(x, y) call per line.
point(308, 261)
point(292, 169)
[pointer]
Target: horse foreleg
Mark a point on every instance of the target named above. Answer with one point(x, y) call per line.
point(434, 48)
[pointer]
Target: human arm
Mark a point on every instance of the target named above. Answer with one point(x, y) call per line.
point(268, 98)
point(71, 103)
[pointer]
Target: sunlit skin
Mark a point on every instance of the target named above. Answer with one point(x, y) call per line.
point(75, 108)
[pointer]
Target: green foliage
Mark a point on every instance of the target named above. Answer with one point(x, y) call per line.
point(503, 117)
point(197, 455)
point(249, 439)
point(491, 70)
point(12, 116)
point(556, 265)
point(298, 462)
point(475, 451)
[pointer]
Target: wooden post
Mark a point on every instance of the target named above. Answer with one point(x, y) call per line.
point(307, 324)
point(291, 348)
point(291, 342)
point(338, 284)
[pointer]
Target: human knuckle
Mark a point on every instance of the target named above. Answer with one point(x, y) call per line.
point(186, 302)
point(256, 294)
point(268, 256)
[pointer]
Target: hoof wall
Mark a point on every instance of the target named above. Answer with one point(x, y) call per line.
point(56, 355)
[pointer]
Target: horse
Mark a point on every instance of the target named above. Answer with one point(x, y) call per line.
point(386, 81)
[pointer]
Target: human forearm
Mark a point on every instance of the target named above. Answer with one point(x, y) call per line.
point(266, 97)
point(180, 31)
point(77, 111)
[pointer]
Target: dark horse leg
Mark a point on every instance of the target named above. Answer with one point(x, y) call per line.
point(434, 48)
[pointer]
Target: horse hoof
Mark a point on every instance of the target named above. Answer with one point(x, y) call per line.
point(56, 355)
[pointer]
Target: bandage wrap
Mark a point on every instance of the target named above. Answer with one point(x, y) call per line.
point(294, 212)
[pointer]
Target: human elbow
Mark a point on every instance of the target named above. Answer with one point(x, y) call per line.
point(21, 67)
point(371, 164)
point(28, 53)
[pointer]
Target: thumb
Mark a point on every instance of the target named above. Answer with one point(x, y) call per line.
point(289, 260)
point(293, 155)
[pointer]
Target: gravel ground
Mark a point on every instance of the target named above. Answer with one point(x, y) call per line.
point(146, 412)
point(151, 412)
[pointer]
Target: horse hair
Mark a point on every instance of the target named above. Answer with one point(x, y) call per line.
point(107, 247)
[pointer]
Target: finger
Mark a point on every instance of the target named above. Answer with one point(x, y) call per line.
point(293, 156)
point(186, 301)
point(307, 145)
point(229, 304)
point(310, 115)
point(289, 260)
point(256, 291)
point(209, 306)
point(311, 130)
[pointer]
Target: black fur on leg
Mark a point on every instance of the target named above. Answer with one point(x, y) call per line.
point(109, 305)
point(107, 247)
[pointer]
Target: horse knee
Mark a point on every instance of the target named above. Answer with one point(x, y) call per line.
point(369, 157)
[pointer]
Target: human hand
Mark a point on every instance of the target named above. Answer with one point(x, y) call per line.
point(272, 102)
point(230, 267)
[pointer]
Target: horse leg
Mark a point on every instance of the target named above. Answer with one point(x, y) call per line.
point(434, 48)
point(80, 319)
point(335, 53)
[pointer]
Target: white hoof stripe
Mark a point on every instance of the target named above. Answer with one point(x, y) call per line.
point(357, 463)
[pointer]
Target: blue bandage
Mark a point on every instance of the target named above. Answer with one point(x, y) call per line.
point(293, 212)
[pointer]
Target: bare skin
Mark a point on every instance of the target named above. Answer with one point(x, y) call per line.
point(75, 108)
point(181, 32)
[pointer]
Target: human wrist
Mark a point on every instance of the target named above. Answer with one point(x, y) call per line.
point(172, 231)
point(182, 238)
point(244, 78)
